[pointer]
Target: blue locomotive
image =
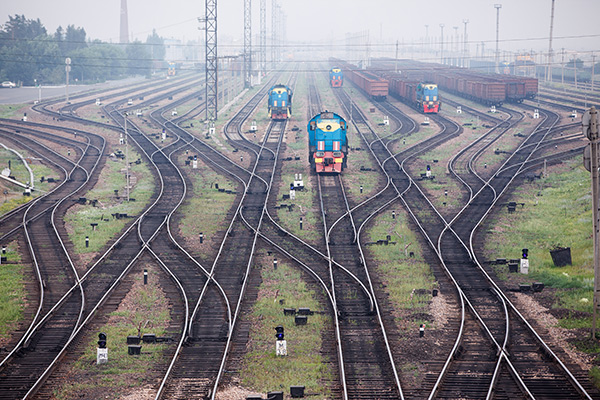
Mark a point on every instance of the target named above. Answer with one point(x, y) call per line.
point(427, 98)
point(336, 77)
point(327, 143)
point(280, 102)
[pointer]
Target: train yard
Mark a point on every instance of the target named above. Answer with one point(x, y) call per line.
point(393, 249)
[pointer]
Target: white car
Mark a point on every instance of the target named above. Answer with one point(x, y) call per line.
point(8, 84)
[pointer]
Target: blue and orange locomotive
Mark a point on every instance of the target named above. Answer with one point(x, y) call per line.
point(427, 98)
point(336, 77)
point(280, 102)
point(327, 143)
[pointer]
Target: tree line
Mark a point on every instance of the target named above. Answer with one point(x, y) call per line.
point(29, 55)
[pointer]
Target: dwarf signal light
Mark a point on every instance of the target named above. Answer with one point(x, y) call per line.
point(279, 332)
point(525, 253)
point(428, 167)
point(102, 340)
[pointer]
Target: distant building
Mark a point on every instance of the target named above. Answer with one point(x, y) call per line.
point(174, 50)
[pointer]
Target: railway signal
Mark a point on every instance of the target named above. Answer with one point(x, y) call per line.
point(280, 344)
point(102, 351)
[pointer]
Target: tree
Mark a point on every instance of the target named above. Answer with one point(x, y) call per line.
point(139, 60)
point(157, 46)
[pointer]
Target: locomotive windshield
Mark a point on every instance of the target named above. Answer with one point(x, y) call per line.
point(327, 115)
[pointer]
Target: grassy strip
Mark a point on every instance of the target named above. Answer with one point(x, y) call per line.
point(11, 110)
point(79, 217)
point(401, 274)
point(557, 212)
point(263, 371)
point(12, 292)
point(144, 306)
point(205, 210)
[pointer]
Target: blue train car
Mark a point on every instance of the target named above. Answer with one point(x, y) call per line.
point(172, 69)
point(280, 102)
point(327, 143)
point(336, 77)
point(428, 98)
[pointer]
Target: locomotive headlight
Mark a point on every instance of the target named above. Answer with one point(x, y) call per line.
point(328, 127)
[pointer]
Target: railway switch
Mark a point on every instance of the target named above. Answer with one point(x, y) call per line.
point(145, 277)
point(275, 265)
point(421, 330)
point(394, 214)
point(87, 241)
point(201, 237)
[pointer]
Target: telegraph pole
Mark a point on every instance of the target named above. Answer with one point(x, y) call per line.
point(497, 7)
point(590, 129)
point(549, 69)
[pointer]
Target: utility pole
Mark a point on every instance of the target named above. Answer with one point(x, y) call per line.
point(247, 43)
point(273, 32)
point(127, 180)
point(442, 44)
point(67, 70)
point(497, 7)
point(593, 67)
point(465, 52)
point(575, 68)
point(562, 75)
point(211, 60)
point(590, 129)
point(426, 37)
point(397, 62)
point(549, 68)
point(263, 37)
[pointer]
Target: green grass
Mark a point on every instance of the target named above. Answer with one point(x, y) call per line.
point(205, 210)
point(79, 217)
point(148, 308)
point(12, 291)
point(11, 110)
point(557, 212)
point(401, 274)
point(263, 371)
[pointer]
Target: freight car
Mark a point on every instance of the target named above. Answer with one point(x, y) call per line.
point(373, 85)
point(336, 77)
point(421, 95)
point(488, 89)
point(327, 143)
point(279, 102)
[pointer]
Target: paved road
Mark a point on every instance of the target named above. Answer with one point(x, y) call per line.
point(29, 94)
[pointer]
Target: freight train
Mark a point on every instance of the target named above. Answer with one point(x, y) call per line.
point(327, 143)
point(370, 83)
point(488, 89)
point(279, 102)
point(336, 77)
point(420, 95)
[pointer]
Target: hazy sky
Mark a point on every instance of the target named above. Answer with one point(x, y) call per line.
point(391, 20)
